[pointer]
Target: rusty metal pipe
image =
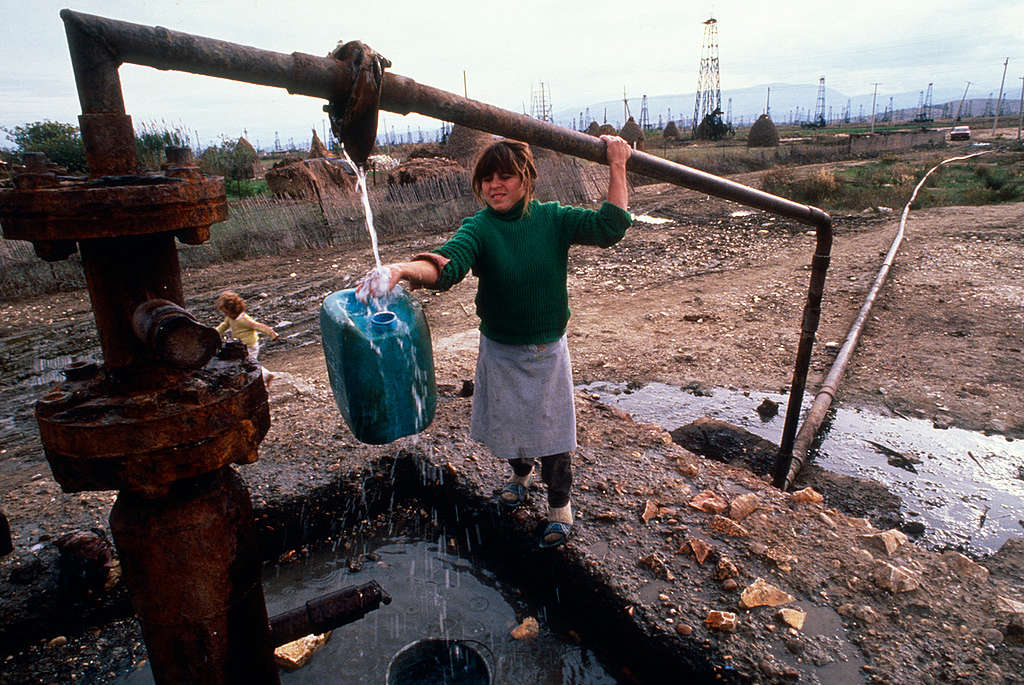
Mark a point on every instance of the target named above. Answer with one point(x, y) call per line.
point(327, 612)
point(173, 334)
point(191, 563)
point(801, 446)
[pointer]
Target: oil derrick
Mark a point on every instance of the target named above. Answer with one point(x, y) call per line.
point(924, 113)
point(645, 120)
point(888, 113)
point(540, 103)
point(818, 121)
point(707, 108)
point(960, 108)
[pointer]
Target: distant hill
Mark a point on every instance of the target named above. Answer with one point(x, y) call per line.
point(787, 102)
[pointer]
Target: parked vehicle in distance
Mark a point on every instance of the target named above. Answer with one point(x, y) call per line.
point(960, 133)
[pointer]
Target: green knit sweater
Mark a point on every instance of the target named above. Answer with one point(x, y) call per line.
point(522, 262)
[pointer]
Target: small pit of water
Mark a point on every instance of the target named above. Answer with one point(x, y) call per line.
point(435, 594)
point(966, 487)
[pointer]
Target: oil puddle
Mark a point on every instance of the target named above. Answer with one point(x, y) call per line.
point(435, 594)
point(967, 488)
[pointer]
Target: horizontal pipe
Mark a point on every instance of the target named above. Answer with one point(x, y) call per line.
point(327, 612)
point(328, 78)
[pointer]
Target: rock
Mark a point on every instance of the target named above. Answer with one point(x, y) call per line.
point(806, 495)
point(1005, 605)
point(895, 578)
point(964, 567)
point(991, 636)
point(862, 556)
point(25, 569)
point(726, 526)
point(649, 512)
point(725, 569)
point(760, 593)
point(730, 585)
point(657, 567)
point(1014, 631)
point(862, 613)
point(698, 548)
point(768, 409)
point(85, 561)
point(58, 641)
point(684, 629)
point(914, 529)
point(296, 654)
point(721, 620)
point(742, 506)
point(709, 502)
point(527, 630)
point(888, 541)
point(826, 519)
point(793, 618)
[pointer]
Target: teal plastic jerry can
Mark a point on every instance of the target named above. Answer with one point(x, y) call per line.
point(380, 365)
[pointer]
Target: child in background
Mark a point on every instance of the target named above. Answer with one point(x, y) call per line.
point(243, 327)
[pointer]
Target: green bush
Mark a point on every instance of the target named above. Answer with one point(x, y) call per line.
point(61, 143)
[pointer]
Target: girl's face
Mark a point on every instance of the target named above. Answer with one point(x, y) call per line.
point(502, 191)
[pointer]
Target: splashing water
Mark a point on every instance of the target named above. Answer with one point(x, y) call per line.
point(374, 288)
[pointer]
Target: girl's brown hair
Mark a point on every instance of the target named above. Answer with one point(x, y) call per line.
point(231, 303)
point(506, 157)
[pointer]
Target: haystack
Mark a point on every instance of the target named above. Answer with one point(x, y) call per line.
point(317, 149)
point(464, 144)
point(607, 129)
point(309, 179)
point(763, 133)
point(419, 168)
point(247, 158)
point(593, 129)
point(671, 132)
point(633, 134)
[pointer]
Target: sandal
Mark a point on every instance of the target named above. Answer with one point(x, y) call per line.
point(513, 495)
point(555, 534)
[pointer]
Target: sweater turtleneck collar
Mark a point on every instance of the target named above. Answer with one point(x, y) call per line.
point(513, 214)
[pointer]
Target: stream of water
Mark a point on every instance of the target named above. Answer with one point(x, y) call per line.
point(967, 488)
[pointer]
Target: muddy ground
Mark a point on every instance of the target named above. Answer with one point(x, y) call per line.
point(713, 298)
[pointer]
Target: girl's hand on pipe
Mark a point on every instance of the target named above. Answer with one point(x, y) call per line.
point(617, 150)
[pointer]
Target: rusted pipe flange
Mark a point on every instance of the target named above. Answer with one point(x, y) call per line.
point(113, 206)
point(143, 434)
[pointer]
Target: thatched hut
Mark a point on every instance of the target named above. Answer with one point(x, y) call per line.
point(763, 133)
point(593, 129)
point(311, 179)
point(671, 131)
point(633, 134)
point(317, 149)
point(419, 168)
point(464, 144)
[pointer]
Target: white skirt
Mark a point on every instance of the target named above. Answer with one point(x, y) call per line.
point(523, 402)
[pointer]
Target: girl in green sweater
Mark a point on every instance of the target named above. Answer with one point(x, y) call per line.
point(518, 248)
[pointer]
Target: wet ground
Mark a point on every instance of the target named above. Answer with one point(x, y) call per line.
point(963, 488)
point(706, 299)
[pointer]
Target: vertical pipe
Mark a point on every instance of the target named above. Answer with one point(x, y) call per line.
point(189, 559)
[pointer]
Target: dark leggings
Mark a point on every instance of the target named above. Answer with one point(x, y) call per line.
point(555, 471)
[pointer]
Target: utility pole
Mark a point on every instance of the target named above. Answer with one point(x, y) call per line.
point(768, 103)
point(873, 98)
point(1020, 108)
point(465, 86)
point(995, 119)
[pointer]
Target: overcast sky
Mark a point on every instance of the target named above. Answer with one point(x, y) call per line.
point(585, 52)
